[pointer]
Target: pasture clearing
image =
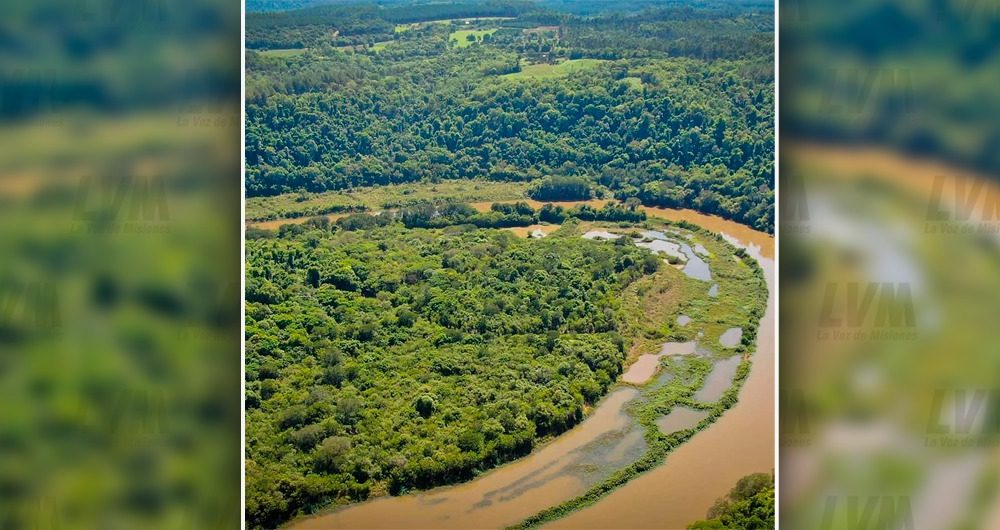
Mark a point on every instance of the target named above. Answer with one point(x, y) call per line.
point(546, 70)
point(283, 52)
point(461, 38)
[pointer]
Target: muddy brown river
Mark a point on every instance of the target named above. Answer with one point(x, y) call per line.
point(558, 471)
point(705, 468)
point(671, 496)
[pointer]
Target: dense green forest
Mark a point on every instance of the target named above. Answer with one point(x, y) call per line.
point(412, 342)
point(749, 505)
point(394, 358)
point(673, 106)
point(918, 77)
point(383, 358)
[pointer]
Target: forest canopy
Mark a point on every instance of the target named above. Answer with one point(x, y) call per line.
point(750, 504)
point(408, 341)
point(673, 106)
point(389, 359)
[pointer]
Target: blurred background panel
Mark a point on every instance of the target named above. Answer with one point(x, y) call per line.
point(890, 264)
point(120, 271)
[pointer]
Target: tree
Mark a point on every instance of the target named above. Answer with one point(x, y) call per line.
point(331, 455)
point(425, 405)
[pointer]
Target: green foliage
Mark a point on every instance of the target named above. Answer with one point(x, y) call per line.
point(562, 189)
point(743, 306)
point(870, 73)
point(388, 359)
point(688, 376)
point(357, 23)
point(373, 199)
point(749, 505)
point(681, 121)
point(501, 215)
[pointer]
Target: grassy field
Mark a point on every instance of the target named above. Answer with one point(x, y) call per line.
point(288, 52)
point(375, 47)
point(543, 30)
point(400, 28)
point(303, 205)
point(545, 71)
point(634, 82)
point(461, 37)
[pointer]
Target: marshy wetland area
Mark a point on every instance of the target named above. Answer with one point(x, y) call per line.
point(507, 264)
point(688, 413)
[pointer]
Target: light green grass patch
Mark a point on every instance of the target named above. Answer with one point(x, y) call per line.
point(292, 205)
point(633, 82)
point(545, 70)
point(287, 52)
point(400, 28)
point(461, 37)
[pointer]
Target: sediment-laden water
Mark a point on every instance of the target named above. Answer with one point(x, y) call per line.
point(740, 442)
point(704, 468)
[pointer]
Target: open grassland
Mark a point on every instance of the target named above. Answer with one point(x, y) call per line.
point(545, 70)
point(303, 205)
point(375, 47)
point(541, 30)
point(461, 37)
point(400, 28)
point(286, 52)
point(633, 82)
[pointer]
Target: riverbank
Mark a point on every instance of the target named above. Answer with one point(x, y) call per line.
point(566, 467)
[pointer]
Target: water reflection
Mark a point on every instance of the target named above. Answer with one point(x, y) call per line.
point(719, 380)
point(681, 418)
point(606, 440)
point(706, 467)
point(731, 337)
point(600, 234)
point(646, 365)
point(659, 243)
point(695, 267)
